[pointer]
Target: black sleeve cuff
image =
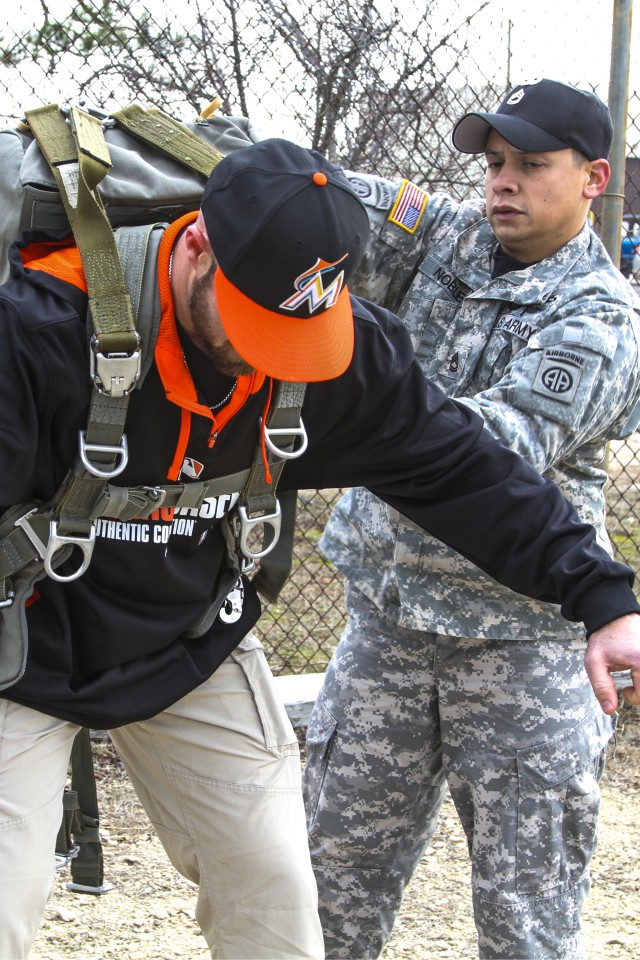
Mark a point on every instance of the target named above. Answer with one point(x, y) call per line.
point(604, 602)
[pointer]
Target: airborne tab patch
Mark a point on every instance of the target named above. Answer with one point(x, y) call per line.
point(410, 204)
point(373, 191)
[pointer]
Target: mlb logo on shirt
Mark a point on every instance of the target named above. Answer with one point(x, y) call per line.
point(410, 204)
point(191, 468)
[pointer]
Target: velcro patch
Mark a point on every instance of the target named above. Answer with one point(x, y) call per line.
point(559, 374)
point(453, 366)
point(372, 191)
point(517, 326)
point(410, 204)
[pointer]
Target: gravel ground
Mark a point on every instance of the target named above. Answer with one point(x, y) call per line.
point(149, 915)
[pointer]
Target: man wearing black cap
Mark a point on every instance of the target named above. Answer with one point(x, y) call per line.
point(442, 676)
point(153, 641)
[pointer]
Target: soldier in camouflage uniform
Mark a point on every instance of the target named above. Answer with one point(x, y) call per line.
point(443, 676)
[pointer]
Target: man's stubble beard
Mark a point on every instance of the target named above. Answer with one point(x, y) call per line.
point(222, 356)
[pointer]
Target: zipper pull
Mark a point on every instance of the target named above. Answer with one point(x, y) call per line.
point(213, 436)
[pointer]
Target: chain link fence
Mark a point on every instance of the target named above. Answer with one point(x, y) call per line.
point(375, 85)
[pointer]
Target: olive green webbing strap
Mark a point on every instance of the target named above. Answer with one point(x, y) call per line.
point(169, 136)
point(78, 842)
point(260, 496)
point(79, 159)
point(275, 568)
point(103, 441)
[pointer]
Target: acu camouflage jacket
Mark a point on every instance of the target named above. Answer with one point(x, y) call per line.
point(548, 355)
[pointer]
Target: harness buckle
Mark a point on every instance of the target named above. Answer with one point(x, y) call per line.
point(248, 525)
point(121, 453)
point(231, 609)
point(156, 495)
point(114, 374)
point(9, 601)
point(57, 541)
point(64, 859)
point(295, 432)
point(87, 888)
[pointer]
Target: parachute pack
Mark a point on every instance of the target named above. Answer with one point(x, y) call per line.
point(154, 167)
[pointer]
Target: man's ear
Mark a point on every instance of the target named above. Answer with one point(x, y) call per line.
point(599, 176)
point(197, 246)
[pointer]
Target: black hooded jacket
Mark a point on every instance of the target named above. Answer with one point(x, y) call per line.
point(110, 647)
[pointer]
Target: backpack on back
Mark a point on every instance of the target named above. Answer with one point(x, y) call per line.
point(144, 184)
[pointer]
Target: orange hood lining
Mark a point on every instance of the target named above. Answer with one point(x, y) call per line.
point(174, 373)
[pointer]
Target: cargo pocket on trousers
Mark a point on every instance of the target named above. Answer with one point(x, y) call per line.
point(320, 737)
point(558, 803)
point(279, 735)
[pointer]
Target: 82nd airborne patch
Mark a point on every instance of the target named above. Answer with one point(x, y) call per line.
point(559, 374)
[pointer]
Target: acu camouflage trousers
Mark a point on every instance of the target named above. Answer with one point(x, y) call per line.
point(514, 730)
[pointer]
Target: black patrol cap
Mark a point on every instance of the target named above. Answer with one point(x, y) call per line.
point(542, 115)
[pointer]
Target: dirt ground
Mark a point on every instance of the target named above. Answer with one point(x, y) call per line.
point(149, 914)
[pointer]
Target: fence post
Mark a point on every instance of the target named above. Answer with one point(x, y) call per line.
point(613, 199)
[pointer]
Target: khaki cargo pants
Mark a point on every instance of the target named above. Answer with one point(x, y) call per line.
point(219, 776)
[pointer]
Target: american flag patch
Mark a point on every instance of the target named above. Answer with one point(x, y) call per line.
point(409, 206)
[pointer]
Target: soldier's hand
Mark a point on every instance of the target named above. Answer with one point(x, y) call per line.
point(615, 647)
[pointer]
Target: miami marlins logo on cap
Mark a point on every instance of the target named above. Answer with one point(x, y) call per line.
point(310, 287)
point(287, 232)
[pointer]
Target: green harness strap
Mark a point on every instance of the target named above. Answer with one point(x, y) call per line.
point(79, 158)
point(167, 135)
point(78, 843)
point(79, 154)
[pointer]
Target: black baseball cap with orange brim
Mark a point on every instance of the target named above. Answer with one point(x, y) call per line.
point(287, 232)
